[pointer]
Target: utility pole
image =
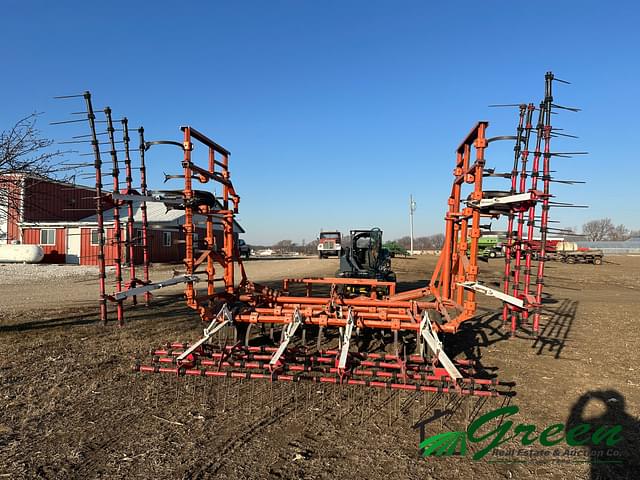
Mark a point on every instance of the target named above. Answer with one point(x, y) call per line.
point(412, 208)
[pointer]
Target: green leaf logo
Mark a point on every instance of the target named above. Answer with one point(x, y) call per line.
point(445, 444)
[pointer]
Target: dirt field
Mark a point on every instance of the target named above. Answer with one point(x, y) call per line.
point(70, 407)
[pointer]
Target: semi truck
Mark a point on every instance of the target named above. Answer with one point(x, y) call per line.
point(329, 244)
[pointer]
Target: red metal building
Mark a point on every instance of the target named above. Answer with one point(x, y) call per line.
point(57, 216)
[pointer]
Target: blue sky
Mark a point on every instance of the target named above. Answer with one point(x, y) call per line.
point(335, 111)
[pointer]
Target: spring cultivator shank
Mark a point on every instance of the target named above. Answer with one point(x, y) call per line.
point(318, 329)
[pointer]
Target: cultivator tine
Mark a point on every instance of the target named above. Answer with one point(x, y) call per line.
point(519, 105)
point(78, 95)
point(89, 154)
point(571, 109)
point(319, 340)
point(346, 341)
point(286, 337)
point(503, 137)
point(247, 335)
point(64, 122)
point(491, 173)
point(80, 165)
point(430, 336)
point(564, 231)
point(222, 320)
point(565, 154)
point(567, 182)
point(81, 141)
point(566, 205)
point(396, 345)
point(554, 133)
point(89, 135)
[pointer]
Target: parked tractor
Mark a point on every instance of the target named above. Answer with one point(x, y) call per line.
point(366, 258)
point(244, 249)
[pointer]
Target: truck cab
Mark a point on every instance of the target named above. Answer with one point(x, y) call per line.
point(329, 244)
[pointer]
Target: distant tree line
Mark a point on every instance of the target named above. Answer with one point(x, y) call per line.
point(605, 229)
point(289, 246)
point(595, 230)
point(432, 242)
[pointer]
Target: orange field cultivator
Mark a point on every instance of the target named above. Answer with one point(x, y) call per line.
point(318, 329)
point(324, 308)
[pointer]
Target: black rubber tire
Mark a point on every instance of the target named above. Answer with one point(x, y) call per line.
point(597, 261)
point(493, 254)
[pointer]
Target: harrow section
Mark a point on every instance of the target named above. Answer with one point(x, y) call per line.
point(386, 371)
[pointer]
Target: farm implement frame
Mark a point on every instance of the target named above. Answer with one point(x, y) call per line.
point(318, 329)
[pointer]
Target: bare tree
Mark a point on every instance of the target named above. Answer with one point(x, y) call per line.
point(597, 230)
point(23, 152)
point(620, 233)
point(311, 247)
point(604, 229)
point(283, 246)
point(436, 241)
point(405, 242)
point(432, 242)
point(570, 234)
